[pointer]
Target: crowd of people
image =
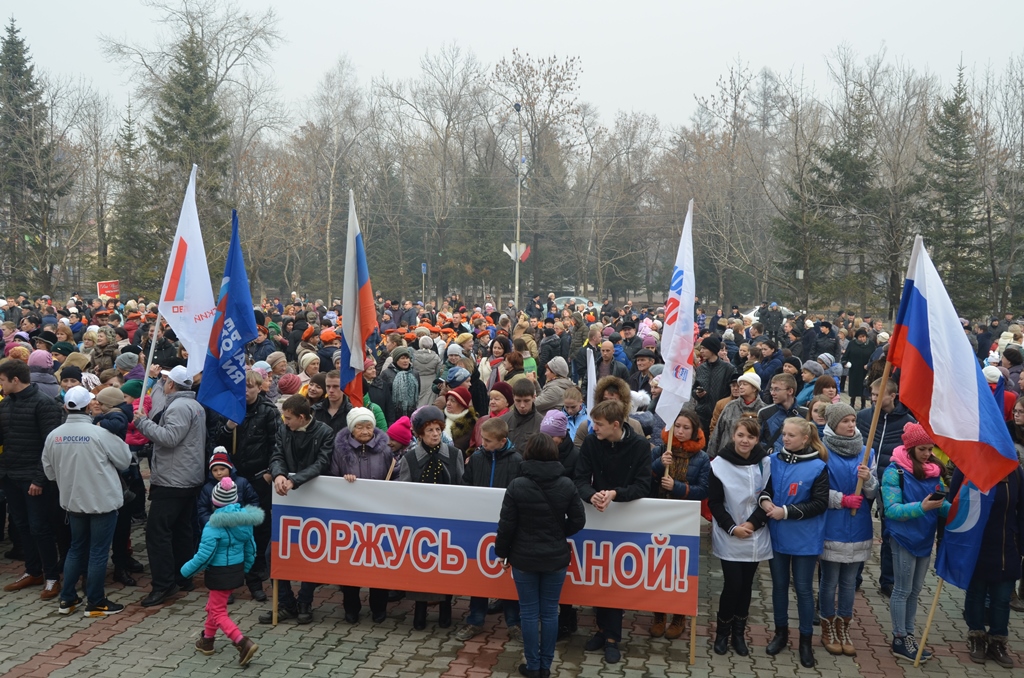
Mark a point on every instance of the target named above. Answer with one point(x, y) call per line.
point(482, 396)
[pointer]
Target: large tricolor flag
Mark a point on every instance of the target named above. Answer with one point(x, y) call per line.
point(677, 337)
point(186, 298)
point(223, 385)
point(941, 380)
point(358, 313)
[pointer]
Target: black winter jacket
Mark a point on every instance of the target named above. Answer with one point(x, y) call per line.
point(339, 420)
point(26, 418)
point(541, 509)
point(492, 469)
point(568, 455)
point(302, 455)
point(623, 466)
point(888, 435)
point(257, 437)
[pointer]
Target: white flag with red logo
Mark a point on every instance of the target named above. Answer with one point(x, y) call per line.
point(677, 335)
point(186, 299)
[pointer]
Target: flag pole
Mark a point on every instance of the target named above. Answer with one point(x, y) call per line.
point(669, 448)
point(928, 624)
point(874, 426)
point(149, 361)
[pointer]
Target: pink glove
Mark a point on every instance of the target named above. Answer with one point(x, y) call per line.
point(852, 501)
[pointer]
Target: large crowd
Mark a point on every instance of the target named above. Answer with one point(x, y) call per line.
point(495, 397)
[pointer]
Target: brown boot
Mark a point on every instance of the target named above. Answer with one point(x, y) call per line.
point(204, 644)
point(843, 624)
point(977, 646)
point(246, 650)
point(829, 637)
point(658, 627)
point(675, 629)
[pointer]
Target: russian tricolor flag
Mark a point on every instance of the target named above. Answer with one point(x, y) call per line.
point(358, 313)
point(941, 381)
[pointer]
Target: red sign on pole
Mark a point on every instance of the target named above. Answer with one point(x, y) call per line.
point(108, 288)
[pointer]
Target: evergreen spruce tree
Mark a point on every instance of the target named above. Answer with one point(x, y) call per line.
point(189, 127)
point(137, 238)
point(951, 221)
point(23, 153)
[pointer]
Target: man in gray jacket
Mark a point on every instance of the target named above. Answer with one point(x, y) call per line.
point(84, 460)
point(177, 473)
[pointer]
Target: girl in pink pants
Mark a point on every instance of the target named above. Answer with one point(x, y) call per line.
point(226, 552)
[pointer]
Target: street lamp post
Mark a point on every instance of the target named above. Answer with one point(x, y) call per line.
point(519, 197)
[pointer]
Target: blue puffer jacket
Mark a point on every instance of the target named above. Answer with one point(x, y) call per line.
point(227, 539)
point(698, 476)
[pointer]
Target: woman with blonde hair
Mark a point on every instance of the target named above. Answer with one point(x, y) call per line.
point(795, 499)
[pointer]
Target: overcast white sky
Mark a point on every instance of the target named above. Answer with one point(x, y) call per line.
point(640, 55)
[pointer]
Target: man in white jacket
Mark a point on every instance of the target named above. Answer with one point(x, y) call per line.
point(84, 460)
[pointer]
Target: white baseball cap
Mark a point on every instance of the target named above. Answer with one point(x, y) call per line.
point(77, 398)
point(179, 375)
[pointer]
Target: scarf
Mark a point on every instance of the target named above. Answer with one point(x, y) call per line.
point(433, 470)
point(682, 453)
point(451, 420)
point(405, 390)
point(844, 447)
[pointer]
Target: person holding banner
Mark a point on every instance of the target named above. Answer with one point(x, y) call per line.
point(738, 475)
point(431, 461)
point(362, 451)
point(302, 453)
point(913, 500)
point(614, 466)
point(795, 500)
point(541, 509)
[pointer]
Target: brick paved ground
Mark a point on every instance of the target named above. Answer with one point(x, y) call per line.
point(36, 641)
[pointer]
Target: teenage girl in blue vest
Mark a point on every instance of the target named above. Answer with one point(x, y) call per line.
point(911, 489)
point(848, 537)
point(795, 500)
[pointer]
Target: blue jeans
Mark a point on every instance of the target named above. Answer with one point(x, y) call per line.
point(478, 612)
point(31, 515)
point(286, 597)
point(842, 576)
point(802, 568)
point(538, 603)
point(998, 594)
point(910, 571)
point(91, 534)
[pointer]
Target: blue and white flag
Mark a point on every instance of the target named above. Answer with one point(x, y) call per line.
point(223, 385)
point(965, 525)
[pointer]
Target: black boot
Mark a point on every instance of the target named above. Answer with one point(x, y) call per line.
point(739, 640)
point(419, 615)
point(122, 577)
point(806, 652)
point(444, 613)
point(567, 623)
point(779, 641)
point(722, 632)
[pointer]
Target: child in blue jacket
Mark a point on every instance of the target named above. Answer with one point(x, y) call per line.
point(227, 551)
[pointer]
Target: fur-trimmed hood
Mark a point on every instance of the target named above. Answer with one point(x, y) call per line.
point(234, 515)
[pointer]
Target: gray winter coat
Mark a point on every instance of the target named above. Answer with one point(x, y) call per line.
point(731, 413)
point(425, 365)
point(85, 459)
point(552, 396)
point(179, 442)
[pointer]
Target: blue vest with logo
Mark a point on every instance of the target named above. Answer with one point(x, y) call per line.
point(791, 484)
point(840, 525)
point(918, 534)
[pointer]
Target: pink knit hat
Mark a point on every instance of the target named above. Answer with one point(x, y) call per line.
point(914, 435)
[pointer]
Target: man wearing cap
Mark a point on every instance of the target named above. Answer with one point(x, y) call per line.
point(61, 350)
point(630, 342)
point(640, 380)
point(827, 342)
point(556, 383)
point(85, 460)
point(329, 343)
point(27, 416)
point(177, 473)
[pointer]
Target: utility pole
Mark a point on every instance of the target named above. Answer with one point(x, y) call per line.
point(519, 197)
